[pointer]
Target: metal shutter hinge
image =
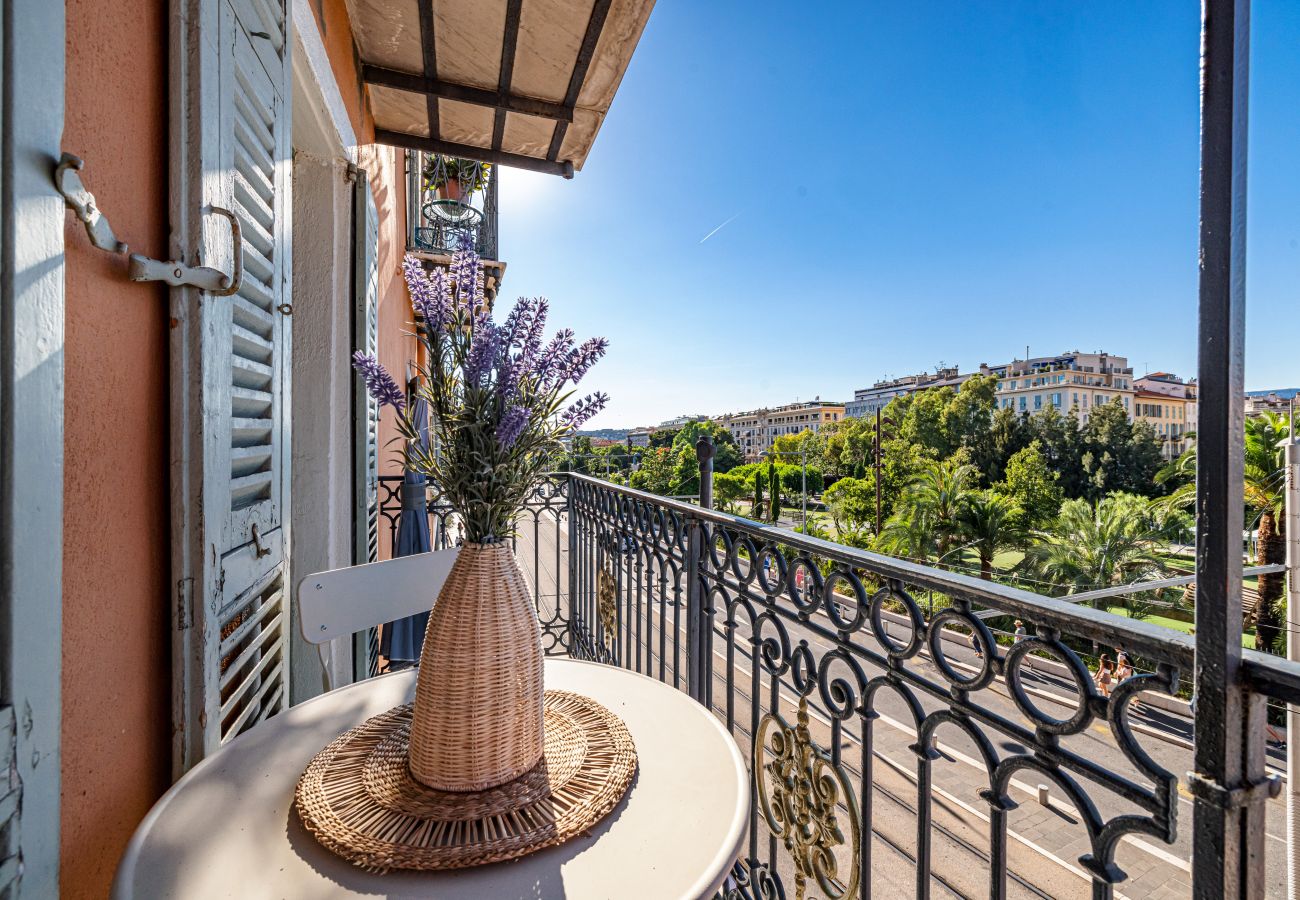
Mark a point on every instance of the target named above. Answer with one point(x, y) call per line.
point(141, 268)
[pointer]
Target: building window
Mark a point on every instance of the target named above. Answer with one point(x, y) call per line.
point(1038, 401)
point(1023, 404)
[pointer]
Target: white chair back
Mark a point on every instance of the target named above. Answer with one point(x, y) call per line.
point(343, 601)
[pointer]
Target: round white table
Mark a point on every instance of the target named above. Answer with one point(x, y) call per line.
point(228, 829)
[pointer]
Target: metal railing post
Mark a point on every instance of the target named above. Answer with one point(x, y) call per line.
point(1228, 781)
point(694, 609)
point(1292, 520)
point(704, 455)
point(574, 633)
point(698, 645)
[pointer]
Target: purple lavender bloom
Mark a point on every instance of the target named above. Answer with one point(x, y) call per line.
point(510, 371)
point(482, 351)
point(584, 409)
point(577, 362)
point(379, 384)
point(512, 425)
point(532, 341)
point(466, 273)
point(553, 354)
point(516, 324)
point(430, 294)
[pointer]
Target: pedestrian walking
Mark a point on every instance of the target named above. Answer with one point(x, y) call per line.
point(1123, 668)
point(975, 644)
point(1105, 675)
point(1021, 634)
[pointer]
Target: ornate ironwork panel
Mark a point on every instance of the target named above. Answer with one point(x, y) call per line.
point(540, 543)
point(859, 649)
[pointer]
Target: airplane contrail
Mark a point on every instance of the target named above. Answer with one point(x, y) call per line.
point(719, 228)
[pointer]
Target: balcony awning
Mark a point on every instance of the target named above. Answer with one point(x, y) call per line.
point(521, 83)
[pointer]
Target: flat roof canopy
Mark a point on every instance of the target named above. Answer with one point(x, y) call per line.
point(521, 83)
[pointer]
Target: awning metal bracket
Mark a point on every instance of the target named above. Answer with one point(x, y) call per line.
point(68, 183)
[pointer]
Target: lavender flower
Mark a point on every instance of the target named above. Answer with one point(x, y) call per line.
point(430, 294)
point(552, 355)
point(510, 371)
point(531, 344)
point(466, 273)
point(512, 425)
point(577, 414)
point(578, 361)
point(379, 384)
point(482, 351)
point(518, 322)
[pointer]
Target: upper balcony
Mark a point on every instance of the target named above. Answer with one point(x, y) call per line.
point(450, 201)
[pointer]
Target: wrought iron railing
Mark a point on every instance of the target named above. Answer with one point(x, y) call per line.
point(938, 752)
point(438, 226)
point(539, 543)
point(902, 744)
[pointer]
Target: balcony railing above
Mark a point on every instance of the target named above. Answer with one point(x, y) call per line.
point(437, 226)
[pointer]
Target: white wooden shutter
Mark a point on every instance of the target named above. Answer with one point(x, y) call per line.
point(231, 377)
point(365, 415)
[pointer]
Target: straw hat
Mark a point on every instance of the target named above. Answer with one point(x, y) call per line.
point(359, 799)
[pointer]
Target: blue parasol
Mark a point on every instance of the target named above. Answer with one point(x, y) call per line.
point(402, 640)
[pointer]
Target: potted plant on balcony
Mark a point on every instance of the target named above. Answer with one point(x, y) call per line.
point(452, 178)
point(501, 404)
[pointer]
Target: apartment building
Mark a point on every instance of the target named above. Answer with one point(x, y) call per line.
point(755, 431)
point(1277, 401)
point(1080, 381)
point(1167, 404)
point(867, 401)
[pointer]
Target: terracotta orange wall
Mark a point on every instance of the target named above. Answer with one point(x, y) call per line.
point(386, 168)
point(336, 34)
point(116, 622)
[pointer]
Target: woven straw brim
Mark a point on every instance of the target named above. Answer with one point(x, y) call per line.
point(359, 800)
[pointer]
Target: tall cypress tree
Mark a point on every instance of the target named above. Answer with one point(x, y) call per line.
point(757, 512)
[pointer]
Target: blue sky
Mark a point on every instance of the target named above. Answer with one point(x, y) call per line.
point(899, 185)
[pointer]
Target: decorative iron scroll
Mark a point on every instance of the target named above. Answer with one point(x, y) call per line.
point(799, 790)
point(607, 606)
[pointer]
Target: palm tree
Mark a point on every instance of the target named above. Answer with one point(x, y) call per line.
point(1106, 544)
point(1265, 495)
point(991, 523)
point(928, 520)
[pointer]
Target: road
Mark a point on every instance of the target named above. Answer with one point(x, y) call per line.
point(1044, 843)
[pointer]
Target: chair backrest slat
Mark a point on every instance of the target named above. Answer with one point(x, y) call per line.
point(340, 602)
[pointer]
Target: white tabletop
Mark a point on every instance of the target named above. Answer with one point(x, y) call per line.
point(228, 829)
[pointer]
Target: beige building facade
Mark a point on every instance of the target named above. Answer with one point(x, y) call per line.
point(755, 431)
point(1168, 405)
point(1078, 381)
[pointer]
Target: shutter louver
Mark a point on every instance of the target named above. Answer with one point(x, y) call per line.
point(232, 628)
point(255, 422)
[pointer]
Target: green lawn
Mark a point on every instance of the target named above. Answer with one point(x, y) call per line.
point(1247, 637)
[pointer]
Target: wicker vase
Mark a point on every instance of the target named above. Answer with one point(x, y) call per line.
point(477, 721)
